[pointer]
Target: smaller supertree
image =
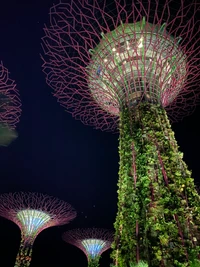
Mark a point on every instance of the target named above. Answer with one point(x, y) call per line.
point(10, 107)
point(92, 241)
point(33, 212)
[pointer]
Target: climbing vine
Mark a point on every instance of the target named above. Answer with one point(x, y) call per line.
point(158, 206)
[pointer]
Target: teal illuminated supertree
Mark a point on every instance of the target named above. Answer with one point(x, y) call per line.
point(10, 107)
point(128, 65)
point(33, 212)
point(92, 241)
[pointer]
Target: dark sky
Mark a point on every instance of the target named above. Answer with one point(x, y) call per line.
point(55, 154)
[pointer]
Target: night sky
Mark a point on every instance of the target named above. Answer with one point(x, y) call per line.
point(55, 154)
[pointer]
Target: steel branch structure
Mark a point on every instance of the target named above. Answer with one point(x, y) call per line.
point(33, 212)
point(127, 65)
point(98, 57)
point(92, 241)
point(10, 107)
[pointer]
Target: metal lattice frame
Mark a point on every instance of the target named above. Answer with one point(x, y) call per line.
point(83, 238)
point(10, 104)
point(99, 57)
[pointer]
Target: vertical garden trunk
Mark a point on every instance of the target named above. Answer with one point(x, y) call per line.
point(93, 262)
point(24, 255)
point(158, 205)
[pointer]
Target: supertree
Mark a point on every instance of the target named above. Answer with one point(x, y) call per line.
point(33, 212)
point(127, 65)
point(92, 241)
point(10, 107)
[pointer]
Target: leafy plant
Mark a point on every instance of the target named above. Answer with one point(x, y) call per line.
point(93, 262)
point(140, 264)
point(195, 263)
point(158, 205)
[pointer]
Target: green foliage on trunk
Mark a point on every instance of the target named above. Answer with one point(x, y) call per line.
point(195, 263)
point(93, 262)
point(158, 206)
point(24, 255)
point(139, 264)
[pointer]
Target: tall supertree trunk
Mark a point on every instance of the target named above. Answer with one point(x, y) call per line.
point(24, 255)
point(93, 262)
point(158, 206)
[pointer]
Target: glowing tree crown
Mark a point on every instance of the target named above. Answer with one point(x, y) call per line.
point(134, 61)
point(93, 242)
point(93, 246)
point(100, 57)
point(34, 212)
point(32, 220)
point(10, 107)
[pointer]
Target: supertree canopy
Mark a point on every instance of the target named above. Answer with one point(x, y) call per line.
point(10, 107)
point(128, 65)
point(33, 212)
point(92, 241)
